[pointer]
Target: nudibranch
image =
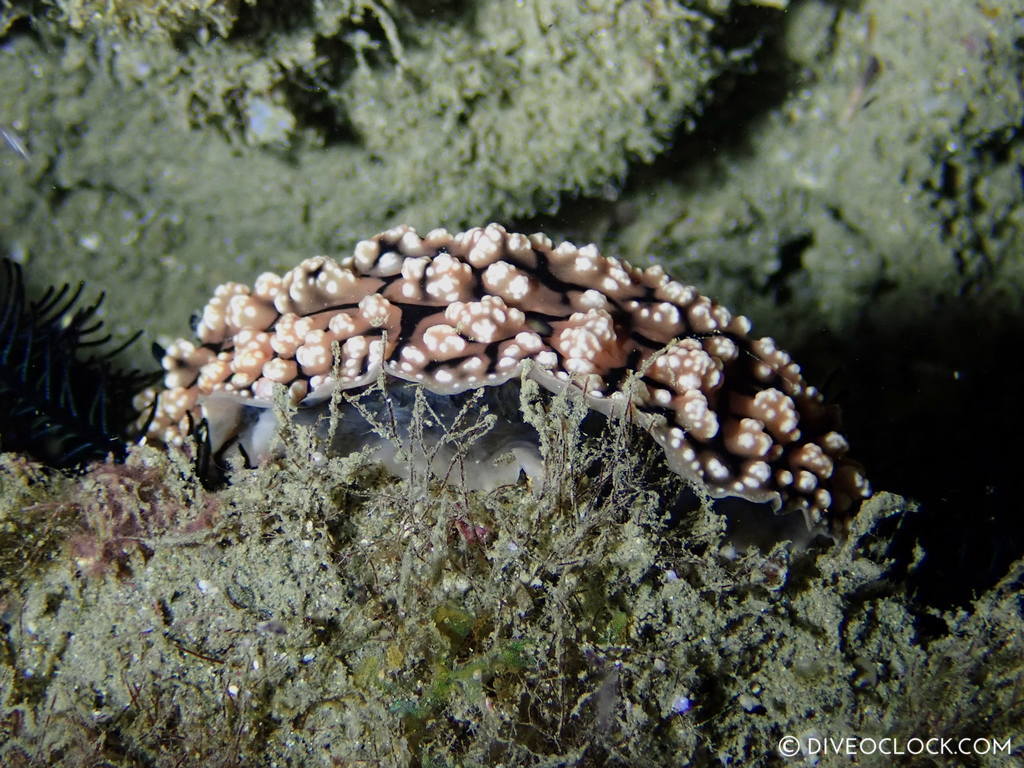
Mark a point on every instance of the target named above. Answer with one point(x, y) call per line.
point(454, 313)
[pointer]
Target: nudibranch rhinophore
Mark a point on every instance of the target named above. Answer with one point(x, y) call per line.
point(458, 312)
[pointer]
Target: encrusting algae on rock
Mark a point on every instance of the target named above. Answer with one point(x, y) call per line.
point(483, 307)
point(322, 612)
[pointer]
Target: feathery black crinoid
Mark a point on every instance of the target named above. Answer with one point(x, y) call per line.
point(63, 401)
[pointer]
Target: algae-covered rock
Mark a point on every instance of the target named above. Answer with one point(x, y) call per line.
point(33, 523)
point(175, 145)
point(532, 100)
point(874, 178)
point(316, 612)
point(146, 17)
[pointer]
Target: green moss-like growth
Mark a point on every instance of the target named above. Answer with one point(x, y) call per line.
point(33, 524)
point(148, 17)
point(873, 181)
point(317, 612)
point(531, 99)
point(298, 127)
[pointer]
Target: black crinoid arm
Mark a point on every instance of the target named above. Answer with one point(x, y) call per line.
point(62, 400)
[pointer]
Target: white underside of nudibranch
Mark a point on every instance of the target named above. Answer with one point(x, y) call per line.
point(476, 309)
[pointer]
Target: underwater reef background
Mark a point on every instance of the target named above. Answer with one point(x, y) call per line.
point(847, 173)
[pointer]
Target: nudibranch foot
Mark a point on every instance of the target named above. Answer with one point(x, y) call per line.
point(451, 441)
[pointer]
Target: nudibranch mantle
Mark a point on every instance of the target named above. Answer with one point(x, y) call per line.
point(463, 311)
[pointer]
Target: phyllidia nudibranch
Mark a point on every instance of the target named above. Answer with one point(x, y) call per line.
point(457, 312)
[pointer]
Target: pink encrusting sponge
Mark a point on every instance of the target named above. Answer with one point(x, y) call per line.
point(476, 309)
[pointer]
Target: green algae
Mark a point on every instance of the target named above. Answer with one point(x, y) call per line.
point(317, 612)
point(33, 523)
point(163, 160)
point(149, 17)
point(163, 164)
point(873, 181)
